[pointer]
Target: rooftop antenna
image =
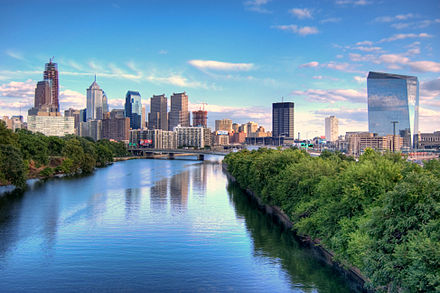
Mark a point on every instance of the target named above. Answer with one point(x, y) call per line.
point(50, 59)
point(282, 99)
point(95, 77)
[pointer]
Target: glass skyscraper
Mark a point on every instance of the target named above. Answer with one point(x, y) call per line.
point(393, 98)
point(133, 109)
point(283, 119)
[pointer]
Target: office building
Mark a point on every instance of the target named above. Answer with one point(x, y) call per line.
point(91, 128)
point(76, 114)
point(429, 140)
point(153, 138)
point(179, 114)
point(51, 73)
point(144, 117)
point(133, 109)
point(95, 102)
point(331, 128)
point(200, 118)
point(393, 100)
point(235, 127)
point(197, 137)
point(158, 116)
point(116, 128)
point(283, 119)
point(224, 124)
point(359, 141)
point(51, 125)
point(250, 128)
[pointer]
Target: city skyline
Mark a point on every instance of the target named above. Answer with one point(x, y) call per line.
point(239, 57)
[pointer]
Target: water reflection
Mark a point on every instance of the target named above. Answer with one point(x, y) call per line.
point(132, 202)
point(271, 240)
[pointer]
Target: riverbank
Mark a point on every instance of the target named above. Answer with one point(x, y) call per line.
point(353, 275)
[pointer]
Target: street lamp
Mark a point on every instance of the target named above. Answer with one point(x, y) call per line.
point(394, 134)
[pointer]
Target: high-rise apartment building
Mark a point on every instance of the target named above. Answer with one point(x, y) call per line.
point(95, 102)
point(200, 118)
point(393, 101)
point(179, 114)
point(224, 124)
point(76, 114)
point(331, 128)
point(158, 116)
point(133, 109)
point(143, 117)
point(283, 119)
point(51, 73)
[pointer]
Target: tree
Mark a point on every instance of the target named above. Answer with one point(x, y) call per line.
point(12, 167)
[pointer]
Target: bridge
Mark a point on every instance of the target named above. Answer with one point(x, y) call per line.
point(172, 153)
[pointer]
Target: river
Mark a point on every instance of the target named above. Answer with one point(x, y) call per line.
point(150, 226)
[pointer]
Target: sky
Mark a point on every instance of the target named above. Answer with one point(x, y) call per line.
point(237, 56)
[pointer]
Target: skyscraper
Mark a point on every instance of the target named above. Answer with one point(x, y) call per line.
point(51, 73)
point(200, 118)
point(179, 114)
point(331, 128)
point(43, 94)
point(133, 109)
point(158, 116)
point(95, 110)
point(224, 124)
point(283, 119)
point(393, 100)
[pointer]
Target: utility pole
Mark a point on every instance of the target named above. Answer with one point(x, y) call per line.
point(394, 135)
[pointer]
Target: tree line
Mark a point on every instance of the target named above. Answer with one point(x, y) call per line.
point(24, 155)
point(380, 214)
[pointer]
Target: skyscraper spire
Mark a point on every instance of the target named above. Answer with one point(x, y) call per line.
point(95, 77)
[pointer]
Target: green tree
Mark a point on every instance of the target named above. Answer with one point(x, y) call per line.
point(12, 167)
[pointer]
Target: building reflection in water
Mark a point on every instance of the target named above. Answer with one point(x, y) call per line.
point(199, 178)
point(158, 195)
point(179, 187)
point(132, 202)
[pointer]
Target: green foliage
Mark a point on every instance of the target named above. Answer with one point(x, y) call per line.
point(12, 167)
point(33, 146)
point(381, 214)
point(69, 155)
point(47, 172)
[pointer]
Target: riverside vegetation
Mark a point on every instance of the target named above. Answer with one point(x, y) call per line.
point(25, 155)
point(380, 214)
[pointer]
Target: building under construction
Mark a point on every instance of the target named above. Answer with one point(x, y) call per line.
point(200, 118)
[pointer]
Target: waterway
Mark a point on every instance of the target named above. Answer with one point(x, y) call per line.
point(150, 226)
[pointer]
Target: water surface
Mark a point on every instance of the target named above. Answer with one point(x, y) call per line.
point(150, 225)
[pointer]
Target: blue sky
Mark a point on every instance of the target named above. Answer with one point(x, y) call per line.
point(237, 56)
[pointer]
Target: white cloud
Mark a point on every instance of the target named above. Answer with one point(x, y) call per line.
point(346, 67)
point(310, 64)
point(360, 79)
point(353, 2)
point(257, 6)
point(163, 52)
point(367, 49)
point(393, 18)
point(404, 36)
point(16, 96)
point(220, 66)
point(425, 66)
point(303, 31)
point(15, 55)
point(331, 20)
point(367, 43)
point(332, 95)
point(301, 13)
point(72, 99)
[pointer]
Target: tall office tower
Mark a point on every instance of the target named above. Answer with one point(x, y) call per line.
point(251, 127)
point(95, 110)
point(331, 128)
point(283, 119)
point(51, 73)
point(224, 124)
point(43, 94)
point(158, 116)
point(104, 103)
point(393, 101)
point(179, 114)
point(133, 109)
point(200, 118)
point(235, 127)
point(144, 114)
